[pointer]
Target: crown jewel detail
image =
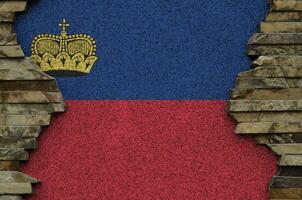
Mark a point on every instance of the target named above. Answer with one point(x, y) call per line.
point(64, 53)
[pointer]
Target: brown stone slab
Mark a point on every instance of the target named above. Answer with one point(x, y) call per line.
point(268, 83)
point(273, 72)
point(290, 160)
point(17, 63)
point(277, 138)
point(286, 182)
point(267, 139)
point(13, 182)
point(15, 188)
point(16, 177)
point(24, 120)
point(276, 38)
point(9, 166)
point(290, 149)
point(8, 39)
point(267, 49)
point(13, 6)
point(278, 60)
point(268, 127)
point(285, 138)
point(10, 197)
point(6, 28)
point(9, 154)
point(30, 97)
point(284, 16)
point(281, 27)
point(19, 74)
point(264, 105)
point(25, 143)
point(7, 16)
point(19, 109)
point(267, 116)
point(286, 5)
point(280, 138)
point(47, 86)
point(20, 131)
point(11, 51)
point(286, 193)
point(267, 94)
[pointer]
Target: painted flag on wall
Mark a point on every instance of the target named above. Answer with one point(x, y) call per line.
point(149, 121)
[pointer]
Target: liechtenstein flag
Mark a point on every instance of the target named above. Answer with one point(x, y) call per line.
point(149, 121)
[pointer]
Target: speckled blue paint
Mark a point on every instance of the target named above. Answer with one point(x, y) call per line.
point(153, 49)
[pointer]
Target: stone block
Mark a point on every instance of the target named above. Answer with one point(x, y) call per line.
point(10, 197)
point(24, 120)
point(30, 97)
point(17, 63)
point(278, 60)
point(20, 131)
point(283, 149)
point(8, 39)
point(9, 154)
point(277, 138)
point(264, 105)
point(268, 49)
point(286, 5)
point(290, 160)
point(268, 83)
point(16, 177)
point(286, 193)
point(9, 166)
point(12, 143)
point(20, 74)
point(7, 16)
point(11, 51)
point(292, 16)
point(273, 72)
point(25, 85)
point(268, 127)
point(267, 116)
point(276, 38)
point(13, 5)
point(31, 108)
point(15, 188)
point(281, 27)
point(6, 28)
point(286, 182)
point(267, 94)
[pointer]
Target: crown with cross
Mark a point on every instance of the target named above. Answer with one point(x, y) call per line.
point(64, 54)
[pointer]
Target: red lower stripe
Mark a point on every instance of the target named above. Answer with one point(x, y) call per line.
point(148, 150)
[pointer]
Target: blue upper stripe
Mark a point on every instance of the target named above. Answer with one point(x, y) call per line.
point(153, 49)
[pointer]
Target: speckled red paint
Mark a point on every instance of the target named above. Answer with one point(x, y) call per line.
point(148, 150)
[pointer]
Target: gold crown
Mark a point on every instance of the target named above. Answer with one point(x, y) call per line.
point(64, 54)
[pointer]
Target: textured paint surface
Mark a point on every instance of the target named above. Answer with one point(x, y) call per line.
point(152, 49)
point(143, 150)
